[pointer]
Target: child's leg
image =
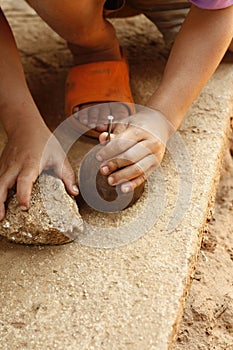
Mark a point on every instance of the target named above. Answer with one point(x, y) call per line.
point(90, 37)
point(81, 23)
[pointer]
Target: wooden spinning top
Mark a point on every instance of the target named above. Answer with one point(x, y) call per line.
point(94, 187)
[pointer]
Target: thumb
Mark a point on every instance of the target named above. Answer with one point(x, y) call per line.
point(103, 138)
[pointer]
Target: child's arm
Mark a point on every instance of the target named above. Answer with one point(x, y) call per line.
point(198, 49)
point(26, 130)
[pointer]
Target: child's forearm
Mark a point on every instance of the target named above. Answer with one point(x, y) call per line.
point(16, 103)
point(198, 49)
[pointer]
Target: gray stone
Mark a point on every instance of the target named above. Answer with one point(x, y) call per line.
point(53, 216)
point(98, 192)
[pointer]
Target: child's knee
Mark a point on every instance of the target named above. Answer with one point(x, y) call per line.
point(78, 22)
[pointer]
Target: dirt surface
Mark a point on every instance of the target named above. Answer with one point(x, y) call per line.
point(208, 318)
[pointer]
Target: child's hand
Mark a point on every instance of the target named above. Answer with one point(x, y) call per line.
point(21, 163)
point(136, 149)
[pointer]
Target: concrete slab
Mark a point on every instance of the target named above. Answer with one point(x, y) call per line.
point(78, 296)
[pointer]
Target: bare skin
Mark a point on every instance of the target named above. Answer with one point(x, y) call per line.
point(20, 162)
point(27, 133)
point(183, 79)
point(94, 39)
point(137, 148)
point(231, 46)
point(91, 38)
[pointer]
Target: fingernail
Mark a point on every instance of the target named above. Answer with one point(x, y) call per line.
point(92, 125)
point(75, 188)
point(99, 158)
point(23, 207)
point(111, 180)
point(105, 170)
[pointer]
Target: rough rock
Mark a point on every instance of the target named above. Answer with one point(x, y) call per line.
point(53, 216)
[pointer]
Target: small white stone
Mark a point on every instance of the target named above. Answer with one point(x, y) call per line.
point(6, 224)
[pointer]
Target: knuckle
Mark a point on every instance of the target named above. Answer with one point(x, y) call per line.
point(11, 163)
point(31, 162)
point(22, 179)
point(26, 178)
point(124, 143)
point(156, 143)
point(114, 164)
point(138, 169)
point(144, 176)
point(153, 145)
point(138, 131)
point(118, 129)
point(130, 156)
point(139, 180)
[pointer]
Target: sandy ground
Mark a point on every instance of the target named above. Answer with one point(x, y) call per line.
point(208, 318)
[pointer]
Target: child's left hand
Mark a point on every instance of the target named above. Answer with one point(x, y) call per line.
point(136, 149)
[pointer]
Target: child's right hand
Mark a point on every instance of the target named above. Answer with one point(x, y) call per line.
point(21, 160)
point(21, 163)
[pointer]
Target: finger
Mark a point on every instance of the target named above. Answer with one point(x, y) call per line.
point(2, 209)
point(115, 147)
point(25, 181)
point(9, 169)
point(131, 185)
point(133, 171)
point(132, 155)
point(7, 181)
point(3, 196)
point(65, 172)
point(103, 138)
point(8, 165)
point(68, 177)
